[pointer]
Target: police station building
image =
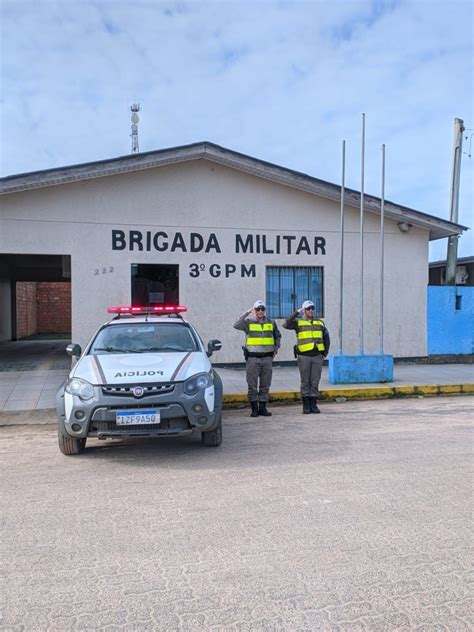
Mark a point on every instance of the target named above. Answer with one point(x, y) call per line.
point(215, 230)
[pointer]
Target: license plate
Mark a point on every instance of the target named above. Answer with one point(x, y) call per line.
point(137, 417)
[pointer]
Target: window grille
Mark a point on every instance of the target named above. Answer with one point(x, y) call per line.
point(287, 287)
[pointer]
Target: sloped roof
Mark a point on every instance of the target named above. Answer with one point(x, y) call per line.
point(438, 228)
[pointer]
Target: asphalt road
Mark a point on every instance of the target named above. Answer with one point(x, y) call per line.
point(356, 519)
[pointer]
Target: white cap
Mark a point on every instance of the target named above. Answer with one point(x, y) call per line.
point(258, 304)
point(307, 304)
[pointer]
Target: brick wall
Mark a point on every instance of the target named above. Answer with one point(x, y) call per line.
point(53, 302)
point(43, 308)
point(26, 309)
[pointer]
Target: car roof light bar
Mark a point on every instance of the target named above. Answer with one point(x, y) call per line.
point(158, 309)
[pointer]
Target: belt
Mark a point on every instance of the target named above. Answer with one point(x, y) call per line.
point(309, 354)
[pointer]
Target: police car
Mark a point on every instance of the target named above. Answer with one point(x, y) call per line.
point(146, 373)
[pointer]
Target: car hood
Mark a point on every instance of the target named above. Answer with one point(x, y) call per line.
point(139, 368)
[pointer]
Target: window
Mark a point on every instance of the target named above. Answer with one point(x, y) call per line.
point(144, 338)
point(288, 287)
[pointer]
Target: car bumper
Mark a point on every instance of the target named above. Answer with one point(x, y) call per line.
point(180, 413)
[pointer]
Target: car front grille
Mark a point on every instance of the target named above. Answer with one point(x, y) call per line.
point(126, 390)
point(174, 424)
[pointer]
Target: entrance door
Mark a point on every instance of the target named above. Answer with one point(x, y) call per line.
point(155, 284)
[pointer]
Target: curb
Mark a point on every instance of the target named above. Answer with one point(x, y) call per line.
point(28, 417)
point(240, 400)
point(370, 392)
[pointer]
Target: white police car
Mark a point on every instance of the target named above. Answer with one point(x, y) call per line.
point(146, 373)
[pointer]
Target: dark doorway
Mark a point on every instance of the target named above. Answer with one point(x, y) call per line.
point(155, 284)
point(35, 296)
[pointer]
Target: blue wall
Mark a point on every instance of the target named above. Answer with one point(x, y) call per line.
point(450, 330)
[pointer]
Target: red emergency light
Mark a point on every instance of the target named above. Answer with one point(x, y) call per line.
point(158, 309)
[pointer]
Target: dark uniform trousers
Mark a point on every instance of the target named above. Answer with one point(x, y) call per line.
point(310, 373)
point(259, 378)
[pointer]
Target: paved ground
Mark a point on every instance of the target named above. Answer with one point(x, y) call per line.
point(30, 355)
point(356, 519)
point(31, 371)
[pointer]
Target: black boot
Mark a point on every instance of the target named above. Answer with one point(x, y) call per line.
point(306, 405)
point(262, 410)
point(254, 406)
point(313, 405)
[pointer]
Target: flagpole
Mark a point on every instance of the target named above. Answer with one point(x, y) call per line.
point(341, 274)
point(362, 240)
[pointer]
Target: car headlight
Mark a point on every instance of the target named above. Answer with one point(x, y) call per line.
point(81, 388)
point(197, 383)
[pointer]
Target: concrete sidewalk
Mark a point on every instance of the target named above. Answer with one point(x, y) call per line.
point(410, 380)
point(31, 371)
point(31, 390)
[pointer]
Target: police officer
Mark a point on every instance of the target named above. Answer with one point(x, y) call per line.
point(312, 347)
point(261, 346)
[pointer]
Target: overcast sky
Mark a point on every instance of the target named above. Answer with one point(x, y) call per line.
point(281, 81)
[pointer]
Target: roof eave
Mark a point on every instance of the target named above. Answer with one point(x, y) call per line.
point(438, 228)
point(101, 168)
point(286, 177)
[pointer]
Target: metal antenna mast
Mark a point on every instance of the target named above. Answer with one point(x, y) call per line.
point(134, 109)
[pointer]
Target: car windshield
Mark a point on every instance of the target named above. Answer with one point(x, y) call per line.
point(144, 338)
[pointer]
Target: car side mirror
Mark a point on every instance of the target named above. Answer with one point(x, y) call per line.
point(213, 345)
point(73, 350)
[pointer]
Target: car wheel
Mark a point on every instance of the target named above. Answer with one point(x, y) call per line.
point(70, 446)
point(213, 437)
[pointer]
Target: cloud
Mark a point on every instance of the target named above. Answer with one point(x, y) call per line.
point(281, 81)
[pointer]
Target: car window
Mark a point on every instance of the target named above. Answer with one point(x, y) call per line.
point(144, 338)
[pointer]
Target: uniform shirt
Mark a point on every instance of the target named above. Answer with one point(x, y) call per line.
point(290, 323)
point(242, 324)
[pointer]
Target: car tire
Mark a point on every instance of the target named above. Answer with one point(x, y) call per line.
point(213, 438)
point(69, 445)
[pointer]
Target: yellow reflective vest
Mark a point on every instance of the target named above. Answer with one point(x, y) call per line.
point(260, 338)
point(309, 334)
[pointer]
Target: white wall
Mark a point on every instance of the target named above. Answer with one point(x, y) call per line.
point(204, 197)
